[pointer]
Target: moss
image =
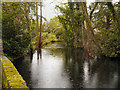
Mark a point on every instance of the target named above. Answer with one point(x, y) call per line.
point(11, 76)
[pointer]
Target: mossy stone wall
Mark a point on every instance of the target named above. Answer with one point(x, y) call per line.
point(11, 77)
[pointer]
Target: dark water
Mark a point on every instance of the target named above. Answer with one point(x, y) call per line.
point(61, 67)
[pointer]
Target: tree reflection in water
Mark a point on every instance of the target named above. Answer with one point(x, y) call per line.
point(60, 67)
point(88, 72)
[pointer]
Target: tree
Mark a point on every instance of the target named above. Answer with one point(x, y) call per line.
point(40, 41)
point(71, 20)
point(89, 24)
point(15, 35)
point(37, 24)
point(107, 27)
point(55, 27)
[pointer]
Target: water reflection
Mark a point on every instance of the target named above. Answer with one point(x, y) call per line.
point(31, 57)
point(61, 67)
point(49, 72)
point(89, 73)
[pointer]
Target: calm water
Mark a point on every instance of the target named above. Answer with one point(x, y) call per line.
point(61, 67)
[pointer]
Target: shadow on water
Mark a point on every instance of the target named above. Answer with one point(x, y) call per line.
point(60, 67)
point(23, 66)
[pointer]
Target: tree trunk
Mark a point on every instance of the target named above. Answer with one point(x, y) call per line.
point(119, 13)
point(37, 30)
point(27, 9)
point(89, 25)
point(114, 13)
point(83, 40)
point(93, 10)
point(37, 25)
point(108, 22)
point(40, 41)
point(75, 36)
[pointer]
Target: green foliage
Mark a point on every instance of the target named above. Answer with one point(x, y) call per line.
point(111, 46)
point(48, 37)
point(15, 35)
point(71, 19)
point(108, 31)
point(103, 29)
point(104, 23)
point(55, 27)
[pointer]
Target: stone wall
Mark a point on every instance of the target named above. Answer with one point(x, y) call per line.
point(11, 77)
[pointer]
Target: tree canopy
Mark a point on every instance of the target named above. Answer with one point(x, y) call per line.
point(95, 28)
